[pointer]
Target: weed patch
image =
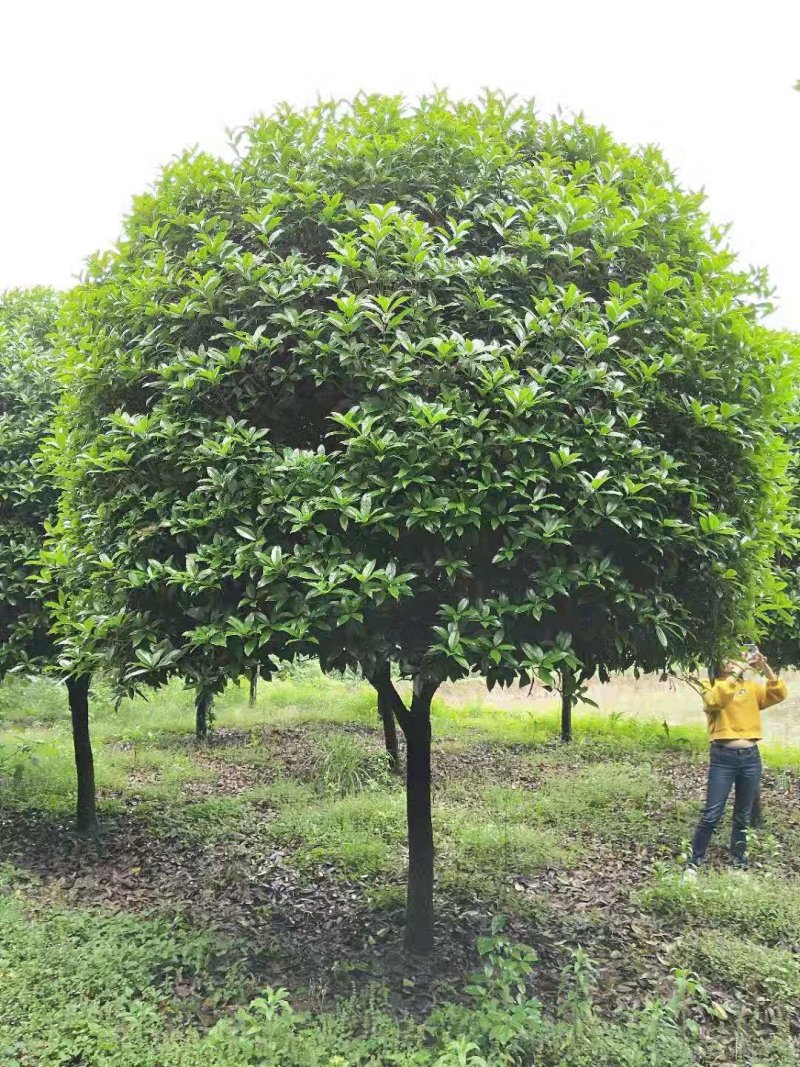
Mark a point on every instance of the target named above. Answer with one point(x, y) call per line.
point(767, 975)
point(88, 987)
point(358, 835)
point(766, 909)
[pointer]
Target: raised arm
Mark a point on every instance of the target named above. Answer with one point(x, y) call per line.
point(774, 690)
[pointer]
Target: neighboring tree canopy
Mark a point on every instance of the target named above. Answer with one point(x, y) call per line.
point(780, 624)
point(28, 397)
point(449, 386)
point(29, 602)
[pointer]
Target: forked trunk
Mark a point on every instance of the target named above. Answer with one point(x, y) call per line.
point(415, 722)
point(86, 808)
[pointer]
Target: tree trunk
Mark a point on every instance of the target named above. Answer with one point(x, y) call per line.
point(567, 701)
point(419, 901)
point(415, 722)
point(757, 816)
point(253, 686)
point(202, 707)
point(386, 713)
point(86, 809)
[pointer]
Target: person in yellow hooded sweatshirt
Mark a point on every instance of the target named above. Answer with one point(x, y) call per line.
point(733, 706)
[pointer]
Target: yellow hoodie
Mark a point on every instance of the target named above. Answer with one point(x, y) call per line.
point(733, 706)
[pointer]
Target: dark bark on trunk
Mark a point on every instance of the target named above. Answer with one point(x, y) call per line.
point(567, 701)
point(419, 901)
point(757, 816)
point(86, 808)
point(253, 686)
point(202, 707)
point(415, 722)
point(383, 680)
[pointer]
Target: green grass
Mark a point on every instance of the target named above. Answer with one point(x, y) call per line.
point(610, 800)
point(210, 819)
point(537, 725)
point(91, 987)
point(474, 845)
point(133, 749)
point(764, 908)
point(765, 975)
point(510, 804)
point(359, 835)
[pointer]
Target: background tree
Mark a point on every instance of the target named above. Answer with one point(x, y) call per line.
point(28, 498)
point(447, 387)
point(778, 623)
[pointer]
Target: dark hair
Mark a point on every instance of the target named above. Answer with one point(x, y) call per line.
point(716, 669)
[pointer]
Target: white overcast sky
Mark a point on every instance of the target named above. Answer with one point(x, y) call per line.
point(96, 96)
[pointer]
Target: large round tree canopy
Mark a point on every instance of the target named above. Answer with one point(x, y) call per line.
point(449, 385)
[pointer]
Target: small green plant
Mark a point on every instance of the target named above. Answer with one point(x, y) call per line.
point(576, 998)
point(764, 849)
point(688, 990)
point(461, 1052)
point(274, 1004)
point(14, 760)
point(506, 966)
point(684, 854)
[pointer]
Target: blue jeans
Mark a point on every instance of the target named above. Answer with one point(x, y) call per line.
point(737, 767)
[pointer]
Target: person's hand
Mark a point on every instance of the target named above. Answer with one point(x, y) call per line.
point(758, 661)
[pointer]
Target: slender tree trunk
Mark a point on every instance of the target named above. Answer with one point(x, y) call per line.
point(386, 713)
point(86, 809)
point(202, 707)
point(567, 701)
point(253, 686)
point(419, 901)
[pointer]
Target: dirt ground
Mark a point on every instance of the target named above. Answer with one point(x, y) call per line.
point(645, 698)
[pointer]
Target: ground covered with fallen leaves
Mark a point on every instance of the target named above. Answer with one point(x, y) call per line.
point(272, 858)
